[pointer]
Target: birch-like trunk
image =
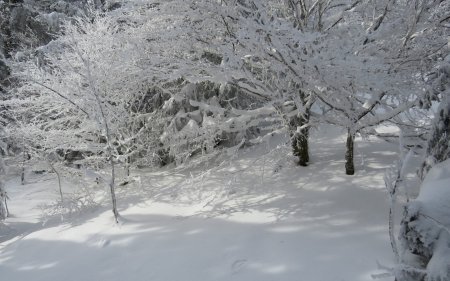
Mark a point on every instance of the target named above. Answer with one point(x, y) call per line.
point(59, 182)
point(112, 186)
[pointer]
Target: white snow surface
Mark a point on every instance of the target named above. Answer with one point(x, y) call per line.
point(250, 218)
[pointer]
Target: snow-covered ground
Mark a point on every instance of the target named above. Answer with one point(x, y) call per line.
point(252, 218)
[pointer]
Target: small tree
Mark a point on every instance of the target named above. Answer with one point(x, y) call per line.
point(82, 91)
point(81, 103)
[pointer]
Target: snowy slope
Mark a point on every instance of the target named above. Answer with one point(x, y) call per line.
point(254, 218)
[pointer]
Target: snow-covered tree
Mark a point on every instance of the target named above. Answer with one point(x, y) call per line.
point(87, 91)
point(372, 80)
point(306, 51)
point(77, 89)
point(282, 57)
point(273, 48)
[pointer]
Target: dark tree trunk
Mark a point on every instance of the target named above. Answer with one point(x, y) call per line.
point(300, 146)
point(22, 176)
point(349, 165)
point(6, 207)
point(299, 138)
point(127, 166)
point(113, 191)
point(299, 129)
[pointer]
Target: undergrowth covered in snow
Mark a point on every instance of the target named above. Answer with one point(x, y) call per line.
point(252, 217)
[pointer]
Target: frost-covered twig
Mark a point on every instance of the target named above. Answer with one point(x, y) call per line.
point(394, 179)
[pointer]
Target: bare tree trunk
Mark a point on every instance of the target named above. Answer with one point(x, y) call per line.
point(300, 146)
point(112, 187)
point(299, 131)
point(4, 213)
point(127, 166)
point(349, 165)
point(59, 181)
point(6, 206)
point(109, 148)
point(22, 176)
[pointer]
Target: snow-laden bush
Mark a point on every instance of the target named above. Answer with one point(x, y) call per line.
point(206, 116)
point(425, 231)
point(438, 148)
